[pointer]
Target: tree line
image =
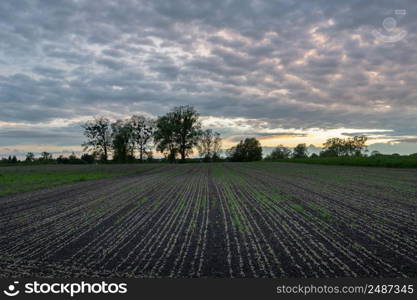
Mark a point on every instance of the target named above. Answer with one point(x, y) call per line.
point(176, 135)
point(333, 147)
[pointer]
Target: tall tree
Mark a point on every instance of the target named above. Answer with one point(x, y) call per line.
point(122, 136)
point(209, 145)
point(217, 146)
point(187, 129)
point(164, 137)
point(344, 147)
point(99, 137)
point(334, 147)
point(142, 132)
point(178, 131)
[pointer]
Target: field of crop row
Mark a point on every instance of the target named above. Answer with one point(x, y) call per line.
point(217, 220)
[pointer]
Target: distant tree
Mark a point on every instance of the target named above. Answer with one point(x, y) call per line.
point(46, 156)
point(187, 129)
point(375, 153)
point(142, 132)
point(356, 145)
point(300, 151)
point(30, 157)
point(164, 137)
point(73, 159)
point(334, 147)
point(217, 145)
point(280, 152)
point(314, 155)
point(62, 160)
point(178, 132)
point(344, 147)
point(248, 150)
point(327, 153)
point(14, 159)
point(209, 145)
point(413, 155)
point(122, 136)
point(99, 136)
point(88, 158)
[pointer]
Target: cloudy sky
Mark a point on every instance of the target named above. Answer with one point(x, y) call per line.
point(283, 71)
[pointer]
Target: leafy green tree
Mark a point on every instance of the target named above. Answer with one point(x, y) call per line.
point(122, 136)
point(164, 137)
point(248, 150)
point(280, 152)
point(356, 145)
point(335, 147)
point(142, 132)
point(178, 132)
point(300, 151)
point(187, 129)
point(99, 136)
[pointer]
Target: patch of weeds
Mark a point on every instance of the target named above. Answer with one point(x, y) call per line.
point(322, 212)
point(296, 207)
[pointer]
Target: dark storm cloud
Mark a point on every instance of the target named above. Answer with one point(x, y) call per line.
point(291, 64)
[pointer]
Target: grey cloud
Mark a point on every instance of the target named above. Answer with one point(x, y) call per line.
point(227, 58)
point(60, 136)
point(244, 135)
point(111, 63)
point(410, 140)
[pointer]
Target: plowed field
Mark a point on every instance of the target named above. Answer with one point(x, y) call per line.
point(217, 220)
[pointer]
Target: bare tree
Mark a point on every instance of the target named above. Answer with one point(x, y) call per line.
point(142, 132)
point(99, 137)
